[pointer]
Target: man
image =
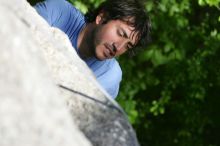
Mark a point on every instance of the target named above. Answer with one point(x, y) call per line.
point(115, 27)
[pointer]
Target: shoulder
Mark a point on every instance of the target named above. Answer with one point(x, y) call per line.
point(59, 13)
point(61, 6)
point(55, 7)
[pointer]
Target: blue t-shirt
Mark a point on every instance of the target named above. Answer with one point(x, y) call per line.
point(63, 15)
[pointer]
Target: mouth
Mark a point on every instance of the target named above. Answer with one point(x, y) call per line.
point(109, 53)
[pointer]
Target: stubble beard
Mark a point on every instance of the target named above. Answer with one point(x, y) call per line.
point(94, 42)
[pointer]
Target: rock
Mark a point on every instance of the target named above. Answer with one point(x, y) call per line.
point(40, 72)
point(31, 108)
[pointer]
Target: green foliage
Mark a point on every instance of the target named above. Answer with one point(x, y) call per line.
point(210, 2)
point(85, 5)
point(174, 82)
point(79, 5)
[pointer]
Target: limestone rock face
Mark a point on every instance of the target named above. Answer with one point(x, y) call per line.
point(48, 95)
point(32, 111)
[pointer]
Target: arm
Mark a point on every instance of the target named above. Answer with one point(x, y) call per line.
point(50, 10)
point(63, 15)
point(58, 13)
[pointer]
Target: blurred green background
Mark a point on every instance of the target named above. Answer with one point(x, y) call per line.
point(171, 89)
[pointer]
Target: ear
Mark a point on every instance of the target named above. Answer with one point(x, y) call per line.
point(99, 18)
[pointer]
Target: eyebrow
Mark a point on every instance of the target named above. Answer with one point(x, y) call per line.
point(132, 46)
point(126, 36)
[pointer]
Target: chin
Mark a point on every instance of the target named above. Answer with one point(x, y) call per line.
point(100, 58)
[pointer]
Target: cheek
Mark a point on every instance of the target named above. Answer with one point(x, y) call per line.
point(108, 35)
point(122, 51)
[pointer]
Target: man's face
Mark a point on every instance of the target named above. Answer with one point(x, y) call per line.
point(112, 39)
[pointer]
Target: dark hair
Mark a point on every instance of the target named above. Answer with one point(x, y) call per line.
point(130, 11)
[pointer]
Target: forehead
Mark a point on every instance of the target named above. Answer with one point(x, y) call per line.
point(129, 30)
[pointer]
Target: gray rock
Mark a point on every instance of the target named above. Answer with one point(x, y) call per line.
point(32, 111)
point(98, 116)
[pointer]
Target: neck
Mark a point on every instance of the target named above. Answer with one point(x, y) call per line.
point(84, 41)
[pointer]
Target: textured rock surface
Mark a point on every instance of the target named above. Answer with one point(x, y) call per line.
point(32, 111)
point(34, 104)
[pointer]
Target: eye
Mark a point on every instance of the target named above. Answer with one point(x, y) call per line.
point(120, 33)
point(129, 46)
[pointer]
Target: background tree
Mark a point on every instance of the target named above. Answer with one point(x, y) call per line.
point(170, 90)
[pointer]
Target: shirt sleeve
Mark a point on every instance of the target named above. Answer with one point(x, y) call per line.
point(63, 15)
point(57, 13)
point(50, 10)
